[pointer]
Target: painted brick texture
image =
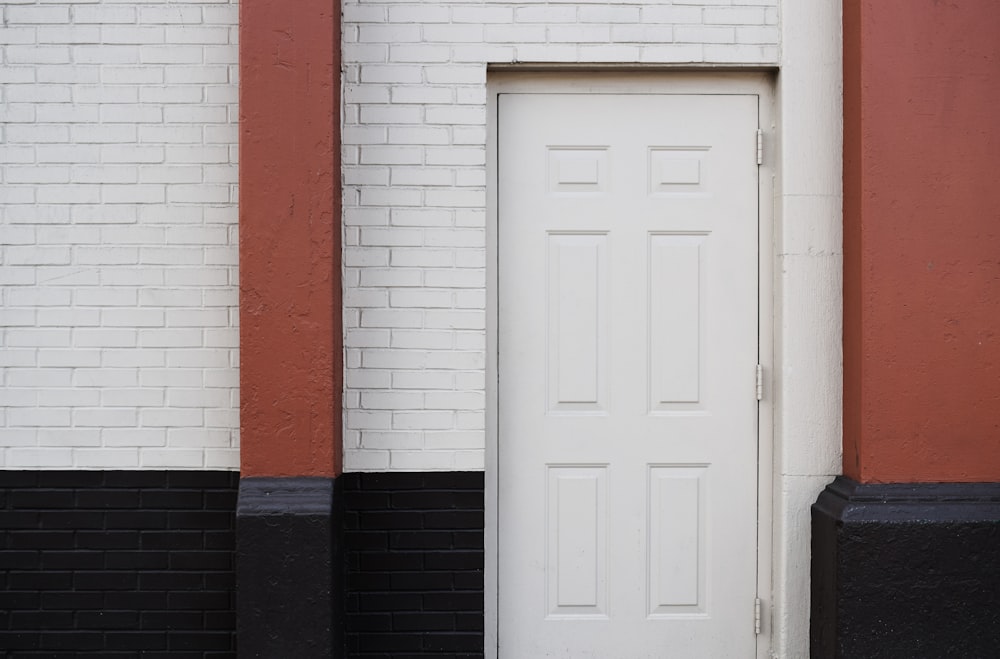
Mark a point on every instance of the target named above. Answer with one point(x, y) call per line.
point(414, 545)
point(117, 198)
point(414, 162)
point(117, 564)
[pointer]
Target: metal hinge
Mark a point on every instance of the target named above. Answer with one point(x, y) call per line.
point(760, 382)
point(756, 615)
point(760, 146)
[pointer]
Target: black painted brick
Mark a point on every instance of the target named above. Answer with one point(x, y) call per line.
point(18, 560)
point(172, 540)
point(138, 519)
point(102, 498)
point(70, 479)
point(200, 640)
point(41, 619)
point(469, 540)
point(39, 499)
point(472, 622)
point(220, 540)
point(146, 559)
point(107, 619)
point(390, 561)
point(138, 600)
point(421, 540)
point(198, 560)
point(452, 642)
point(201, 599)
point(181, 499)
point(455, 519)
point(106, 539)
point(469, 580)
point(220, 620)
point(392, 520)
point(457, 560)
point(19, 640)
point(372, 622)
point(39, 580)
point(19, 519)
point(117, 564)
point(436, 500)
point(220, 499)
point(136, 641)
point(363, 582)
point(70, 560)
point(220, 581)
point(422, 581)
point(374, 540)
point(72, 601)
point(71, 519)
point(423, 622)
point(15, 479)
point(414, 555)
point(457, 601)
point(172, 619)
point(104, 581)
point(18, 539)
point(51, 639)
point(389, 642)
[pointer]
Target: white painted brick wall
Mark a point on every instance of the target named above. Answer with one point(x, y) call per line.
point(118, 207)
point(414, 190)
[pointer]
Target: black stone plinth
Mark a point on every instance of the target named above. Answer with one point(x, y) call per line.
point(289, 568)
point(906, 571)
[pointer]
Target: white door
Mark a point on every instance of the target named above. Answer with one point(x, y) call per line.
point(627, 440)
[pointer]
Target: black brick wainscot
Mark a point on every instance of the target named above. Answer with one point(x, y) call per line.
point(117, 564)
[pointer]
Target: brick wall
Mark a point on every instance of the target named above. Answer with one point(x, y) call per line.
point(117, 564)
point(415, 191)
point(118, 345)
point(119, 342)
point(414, 545)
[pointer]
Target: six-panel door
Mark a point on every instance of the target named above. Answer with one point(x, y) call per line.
point(627, 439)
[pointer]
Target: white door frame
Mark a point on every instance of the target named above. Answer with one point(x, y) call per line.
point(625, 81)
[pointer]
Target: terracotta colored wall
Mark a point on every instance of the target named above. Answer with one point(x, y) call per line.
point(290, 306)
point(922, 240)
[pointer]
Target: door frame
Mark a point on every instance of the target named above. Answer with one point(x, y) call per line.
point(626, 80)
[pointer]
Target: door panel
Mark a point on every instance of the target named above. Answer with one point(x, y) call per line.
point(627, 437)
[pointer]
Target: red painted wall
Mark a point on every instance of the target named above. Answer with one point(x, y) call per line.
point(290, 301)
point(922, 240)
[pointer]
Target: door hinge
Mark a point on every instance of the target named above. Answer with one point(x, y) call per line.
point(760, 146)
point(760, 382)
point(756, 615)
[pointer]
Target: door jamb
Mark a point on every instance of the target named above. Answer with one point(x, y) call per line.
point(624, 80)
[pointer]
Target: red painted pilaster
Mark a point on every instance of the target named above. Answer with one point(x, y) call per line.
point(922, 240)
point(290, 292)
